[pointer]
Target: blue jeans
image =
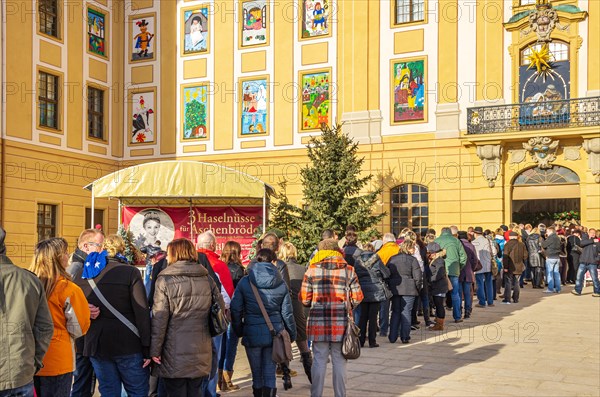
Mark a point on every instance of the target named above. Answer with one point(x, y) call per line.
point(465, 291)
point(456, 302)
point(485, 292)
point(401, 317)
point(579, 281)
point(552, 274)
point(262, 366)
point(126, 370)
point(229, 345)
point(356, 314)
point(384, 317)
point(84, 380)
point(23, 391)
point(212, 381)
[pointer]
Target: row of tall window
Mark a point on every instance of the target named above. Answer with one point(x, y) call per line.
point(49, 105)
point(405, 11)
point(47, 220)
point(409, 205)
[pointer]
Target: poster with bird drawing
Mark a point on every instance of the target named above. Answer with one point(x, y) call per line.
point(143, 117)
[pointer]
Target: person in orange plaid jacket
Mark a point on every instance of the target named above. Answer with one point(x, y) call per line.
point(323, 290)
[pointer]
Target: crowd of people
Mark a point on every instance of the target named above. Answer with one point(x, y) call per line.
point(90, 317)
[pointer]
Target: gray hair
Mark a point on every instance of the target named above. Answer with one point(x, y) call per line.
point(388, 237)
point(206, 240)
point(454, 230)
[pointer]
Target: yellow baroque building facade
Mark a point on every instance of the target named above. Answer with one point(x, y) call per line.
point(467, 112)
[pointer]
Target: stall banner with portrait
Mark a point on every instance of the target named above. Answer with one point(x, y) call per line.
point(153, 225)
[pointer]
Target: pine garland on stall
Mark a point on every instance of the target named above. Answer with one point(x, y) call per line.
point(132, 253)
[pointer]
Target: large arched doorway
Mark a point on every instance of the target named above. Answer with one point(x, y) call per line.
point(538, 194)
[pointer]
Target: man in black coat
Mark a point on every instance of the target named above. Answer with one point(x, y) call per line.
point(84, 383)
point(551, 247)
point(588, 262)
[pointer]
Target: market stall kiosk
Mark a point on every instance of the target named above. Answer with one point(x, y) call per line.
point(173, 199)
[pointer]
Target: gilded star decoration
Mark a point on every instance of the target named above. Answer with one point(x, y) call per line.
point(540, 60)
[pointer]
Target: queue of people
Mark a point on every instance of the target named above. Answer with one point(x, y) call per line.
point(156, 337)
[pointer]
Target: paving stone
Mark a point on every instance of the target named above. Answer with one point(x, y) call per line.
point(544, 346)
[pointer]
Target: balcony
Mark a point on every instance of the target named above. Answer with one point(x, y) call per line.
point(543, 115)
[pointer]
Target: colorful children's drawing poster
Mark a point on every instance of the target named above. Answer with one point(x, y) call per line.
point(143, 117)
point(96, 32)
point(315, 92)
point(195, 112)
point(143, 40)
point(408, 90)
point(254, 23)
point(315, 18)
point(254, 107)
point(195, 30)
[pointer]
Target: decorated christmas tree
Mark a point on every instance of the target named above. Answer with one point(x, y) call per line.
point(132, 253)
point(334, 190)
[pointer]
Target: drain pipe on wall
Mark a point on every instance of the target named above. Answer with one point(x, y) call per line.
point(2, 115)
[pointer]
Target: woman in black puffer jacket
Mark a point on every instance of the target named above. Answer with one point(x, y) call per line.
point(372, 274)
point(405, 282)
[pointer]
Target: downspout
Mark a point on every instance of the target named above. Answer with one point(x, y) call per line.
point(2, 119)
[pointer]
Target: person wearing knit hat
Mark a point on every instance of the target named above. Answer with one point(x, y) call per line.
point(24, 304)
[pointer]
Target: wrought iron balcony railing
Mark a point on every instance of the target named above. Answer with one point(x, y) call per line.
point(578, 112)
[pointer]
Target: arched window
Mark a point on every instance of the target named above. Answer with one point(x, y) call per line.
point(549, 80)
point(559, 51)
point(410, 208)
point(549, 176)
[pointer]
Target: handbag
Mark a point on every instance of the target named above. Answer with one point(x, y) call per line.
point(478, 266)
point(494, 264)
point(350, 341)
point(282, 343)
point(386, 290)
point(218, 321)
point(450, 288)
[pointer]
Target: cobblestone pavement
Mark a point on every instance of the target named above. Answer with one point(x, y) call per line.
point(545, 345)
